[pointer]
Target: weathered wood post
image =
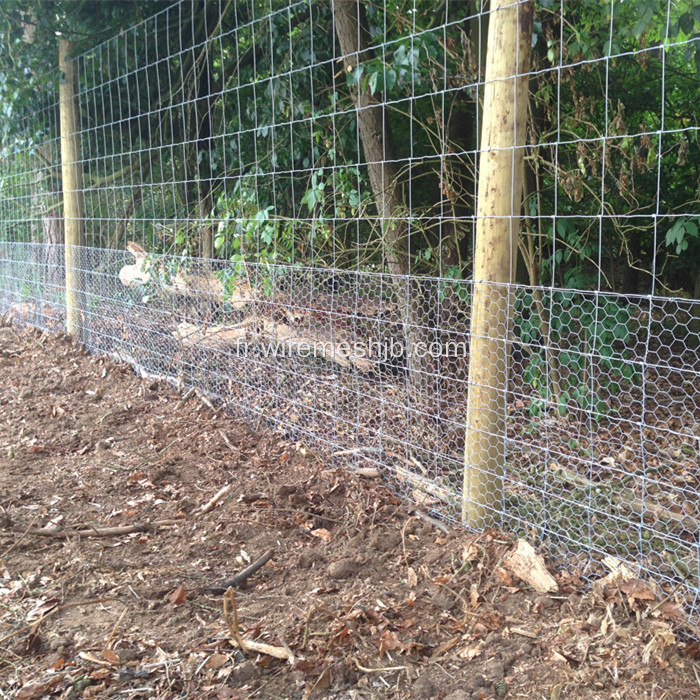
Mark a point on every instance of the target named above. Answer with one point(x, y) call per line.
point(72, 175)
point(498, 211)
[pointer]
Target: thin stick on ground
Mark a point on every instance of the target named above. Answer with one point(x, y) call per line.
point(384, 669)
point(284, 653)
point(114, 629)
point(238, 579)
point(232, 622)
point(215, 499)
point(17, 542)
point(102, 532)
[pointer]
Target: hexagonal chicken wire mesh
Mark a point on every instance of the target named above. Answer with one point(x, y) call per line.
point(238, 241)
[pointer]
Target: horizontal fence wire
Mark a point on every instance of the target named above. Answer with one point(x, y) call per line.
point(288, 225)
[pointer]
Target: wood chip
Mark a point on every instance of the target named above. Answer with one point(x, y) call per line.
point(527, 565)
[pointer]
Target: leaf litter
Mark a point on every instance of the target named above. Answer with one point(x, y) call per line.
point(123, 505)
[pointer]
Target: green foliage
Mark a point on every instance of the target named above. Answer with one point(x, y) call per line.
point(589, 343)
point(682, 234)
point(246, 230)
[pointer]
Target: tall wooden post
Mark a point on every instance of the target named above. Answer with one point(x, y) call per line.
point(498, 211)
point(72, 174)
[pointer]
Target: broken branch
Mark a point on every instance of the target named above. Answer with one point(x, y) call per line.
point(238, 579)
point(215, 498)
point(100, 532)
point(246, 645)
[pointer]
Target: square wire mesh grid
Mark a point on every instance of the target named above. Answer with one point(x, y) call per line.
point(282, 214)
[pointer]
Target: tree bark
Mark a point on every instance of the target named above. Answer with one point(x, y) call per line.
point(52, 226)
point(498, 211)
point(378, 147)
point(376, 136)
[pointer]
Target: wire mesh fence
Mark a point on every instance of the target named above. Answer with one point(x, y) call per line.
point(279, 210)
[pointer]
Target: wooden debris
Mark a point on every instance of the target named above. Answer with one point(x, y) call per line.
point(249, 645)
point(527, 565)
point(101, 532)
point(383, 669)
point(238, 579)
point(215, 498)
point(619, 572)
point(302, 341)
point(367, 472)
point(433, 521)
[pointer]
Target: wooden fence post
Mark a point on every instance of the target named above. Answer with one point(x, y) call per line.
point(72, 175)
point(498, 210)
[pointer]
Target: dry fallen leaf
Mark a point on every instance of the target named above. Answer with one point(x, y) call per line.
point(95, 691)
point(322, 534)
point(411, 577)
point(58, 664)
point(38, 690)
point(637, 590)
point(178, 596)
point(504, 576)
point(693, 650)
point(110, 657)
point(470, 553)
point(389, 642)
point(471, 650)
point(671, 611)
point(216, 661)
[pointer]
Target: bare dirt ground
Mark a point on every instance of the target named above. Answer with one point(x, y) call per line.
point(370, 599)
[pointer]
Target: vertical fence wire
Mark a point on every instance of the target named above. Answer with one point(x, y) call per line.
point(280, 211)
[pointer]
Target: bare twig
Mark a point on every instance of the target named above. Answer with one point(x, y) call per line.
point(433, 521)
point(20, 538)
point(114, 629)
point(215, 498)
point(101, 532)
point(358, 450)
point(205, 400)
point(246, 645)
point(228, 442)
point(377, 670)
point(238, 579)
point(260, 417)
point(232, 623)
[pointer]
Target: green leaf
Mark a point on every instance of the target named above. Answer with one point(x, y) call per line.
point(686, 23)
point(372, 82)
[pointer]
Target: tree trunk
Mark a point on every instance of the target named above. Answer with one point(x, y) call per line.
point(52, 226)
point(375, 132)
point(378, 147)
point(495, 256)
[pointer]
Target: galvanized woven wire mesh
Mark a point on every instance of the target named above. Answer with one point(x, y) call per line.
point(225, 140)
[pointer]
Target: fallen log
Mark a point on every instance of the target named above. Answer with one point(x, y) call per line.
point(187, 284)
point(302, 341)
point(139, 272)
